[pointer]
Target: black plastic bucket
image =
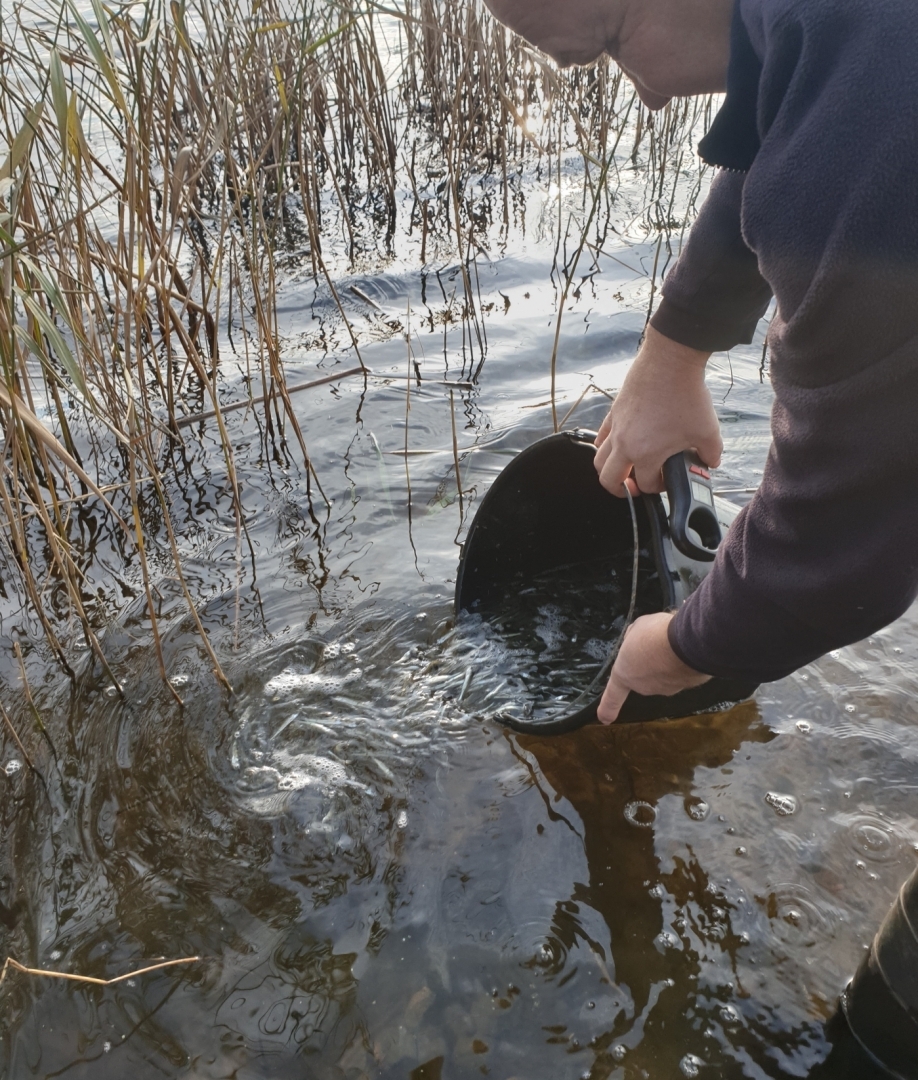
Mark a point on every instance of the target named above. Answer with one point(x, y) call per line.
point(546, 512)
point(881, 1002)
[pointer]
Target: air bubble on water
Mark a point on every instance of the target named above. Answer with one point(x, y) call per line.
point(783, 805)
point(402, 820)
point(697, 809)
point(639, 813)
point(618, 1052)
point(234, 754)
point(742, 852)
point(804, 727)
point(849, 708)
point(729, 1015)
point(690, 1065)
point(835, 654)
point(179, 680)
point(56, 954)
point(106, 1046)
point(665, 941)
point(111, 691)
point(12, 766)
point(861, 865)
point(658, 892)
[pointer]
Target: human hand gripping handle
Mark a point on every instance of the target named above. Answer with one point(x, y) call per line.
point(663, 408)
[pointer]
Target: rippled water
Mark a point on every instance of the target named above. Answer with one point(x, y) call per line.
point(380, 881)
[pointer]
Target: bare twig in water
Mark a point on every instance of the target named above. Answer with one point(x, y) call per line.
point(16, 966)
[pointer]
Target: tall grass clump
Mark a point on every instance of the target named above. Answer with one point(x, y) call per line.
point(161, 163)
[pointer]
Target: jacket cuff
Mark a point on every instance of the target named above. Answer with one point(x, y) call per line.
point(735, 635)
point(698, 332)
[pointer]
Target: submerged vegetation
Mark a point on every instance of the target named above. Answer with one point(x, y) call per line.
point(164, 167)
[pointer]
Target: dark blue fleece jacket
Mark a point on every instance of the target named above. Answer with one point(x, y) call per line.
point(816, 203)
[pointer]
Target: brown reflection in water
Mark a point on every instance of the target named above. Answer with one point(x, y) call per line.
point(614, 777)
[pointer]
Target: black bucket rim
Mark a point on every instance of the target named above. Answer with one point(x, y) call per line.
point(711, 696)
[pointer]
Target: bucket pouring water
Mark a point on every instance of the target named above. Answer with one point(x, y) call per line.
point(547, 520)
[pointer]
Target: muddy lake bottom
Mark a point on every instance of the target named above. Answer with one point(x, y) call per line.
point(381, 882)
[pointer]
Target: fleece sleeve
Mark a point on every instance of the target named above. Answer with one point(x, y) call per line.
point(714, 296)
point(827, 551)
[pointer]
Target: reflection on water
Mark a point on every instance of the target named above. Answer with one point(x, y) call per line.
point(383, 885)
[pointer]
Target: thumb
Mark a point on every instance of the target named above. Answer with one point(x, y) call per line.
point(613, 698)
point(710, 450)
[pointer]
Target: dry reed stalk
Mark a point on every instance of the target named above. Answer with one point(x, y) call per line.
point(159, 169)
point(10, 963)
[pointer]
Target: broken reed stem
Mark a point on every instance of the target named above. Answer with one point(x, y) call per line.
point(452, 417)
point(18, 741)
point(16, 966)
point(570, 412)
point(187, 421)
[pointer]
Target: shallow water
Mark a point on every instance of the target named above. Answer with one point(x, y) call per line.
point(380, 881)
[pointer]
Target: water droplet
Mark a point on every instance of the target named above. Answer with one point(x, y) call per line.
point(641, 814)
point(804, 727)
point(591, 1004)
point(56, 954)
point(783, 805)
point(12, 766)
point(618, 1052)
point(402, 820)
point(690, 1065)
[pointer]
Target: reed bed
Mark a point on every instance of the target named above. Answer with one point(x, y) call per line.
point(163, 164)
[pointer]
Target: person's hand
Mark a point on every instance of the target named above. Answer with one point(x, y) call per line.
point(662, 408)
point(646, 664)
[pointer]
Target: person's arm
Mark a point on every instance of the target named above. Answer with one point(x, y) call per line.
point(827, 551)
point(713, 299)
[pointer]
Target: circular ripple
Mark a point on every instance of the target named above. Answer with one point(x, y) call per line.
point(796, 918)
point(871, 837)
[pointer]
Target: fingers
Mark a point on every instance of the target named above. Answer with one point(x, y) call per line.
point(613, 468)
point(604, 428)
point(613, 698)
